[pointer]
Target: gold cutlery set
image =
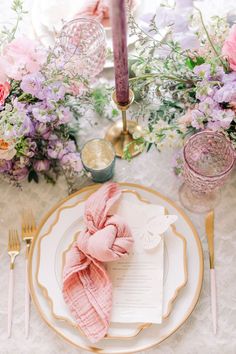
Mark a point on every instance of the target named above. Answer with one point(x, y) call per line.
point(28, 231)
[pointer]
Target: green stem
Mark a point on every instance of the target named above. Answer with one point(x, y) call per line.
point(210, 41)
point(174, 78)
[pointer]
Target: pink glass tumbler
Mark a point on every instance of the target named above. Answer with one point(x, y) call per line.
point(208, 160)
point(83, 44)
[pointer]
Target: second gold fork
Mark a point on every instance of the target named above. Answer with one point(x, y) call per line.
point(28, 232)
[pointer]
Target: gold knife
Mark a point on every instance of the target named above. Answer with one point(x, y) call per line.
point(209, 224)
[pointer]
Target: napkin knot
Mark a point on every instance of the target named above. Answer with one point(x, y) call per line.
point(87, 289)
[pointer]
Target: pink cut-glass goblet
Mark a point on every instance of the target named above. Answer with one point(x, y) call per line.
point(83, 44)
point(208, 160)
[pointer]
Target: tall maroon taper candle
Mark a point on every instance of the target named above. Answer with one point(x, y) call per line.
point(119, 35)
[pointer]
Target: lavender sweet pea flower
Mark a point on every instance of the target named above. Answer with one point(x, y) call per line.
point(33, 84)
point(41, 165)
point(207, 105)
point(73, 161)
point(41, 114)
point(203, 71)
point(228, 78)
point(43, 130)
point(227, 93)
point(64, 115)
point(183, 4)
point(187, 40)
point(55, 92)
point(197, 119)
point(221, 119)
point(27, 127)
point(164, 17)
point(56, 149)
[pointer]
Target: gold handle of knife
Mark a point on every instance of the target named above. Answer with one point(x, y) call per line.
point(209, 224)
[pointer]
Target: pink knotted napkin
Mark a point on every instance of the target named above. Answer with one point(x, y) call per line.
point(87, 289)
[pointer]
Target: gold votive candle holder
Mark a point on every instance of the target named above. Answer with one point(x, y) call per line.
point(98, 158)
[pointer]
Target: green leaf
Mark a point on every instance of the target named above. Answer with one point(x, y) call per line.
point(149, 146)
point(33, 176)
point(191, 63)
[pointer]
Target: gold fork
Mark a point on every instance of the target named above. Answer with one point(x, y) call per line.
point(28, 232)
point(13, 251)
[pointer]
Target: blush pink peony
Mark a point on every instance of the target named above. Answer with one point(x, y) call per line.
point(20, 57)
point(4, 92)
point(229, 48)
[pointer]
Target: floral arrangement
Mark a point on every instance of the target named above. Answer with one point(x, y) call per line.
point(39, 109)
point(184, 73)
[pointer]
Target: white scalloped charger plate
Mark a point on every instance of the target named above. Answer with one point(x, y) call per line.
point(151, 335)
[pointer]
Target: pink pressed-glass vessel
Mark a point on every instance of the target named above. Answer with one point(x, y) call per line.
point(83, 44)
point(208, 160)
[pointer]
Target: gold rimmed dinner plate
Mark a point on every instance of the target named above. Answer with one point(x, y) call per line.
point(153, 334)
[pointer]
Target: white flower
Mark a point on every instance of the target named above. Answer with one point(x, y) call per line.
point(160, 125)
point(7, 151)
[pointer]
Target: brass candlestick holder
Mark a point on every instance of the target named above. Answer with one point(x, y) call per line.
point(120, 134)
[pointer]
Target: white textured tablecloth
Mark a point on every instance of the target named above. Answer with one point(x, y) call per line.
point(153, 170)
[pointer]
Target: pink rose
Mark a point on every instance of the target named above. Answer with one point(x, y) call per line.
point(20, 57)
point(229, 48)
point(4, 92)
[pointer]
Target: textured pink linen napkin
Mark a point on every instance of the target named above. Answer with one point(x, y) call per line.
point(87, 289)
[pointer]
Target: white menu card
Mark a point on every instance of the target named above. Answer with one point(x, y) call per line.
point(138, 279)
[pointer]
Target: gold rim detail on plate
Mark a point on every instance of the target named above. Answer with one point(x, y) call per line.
point(67, 320)
point(91, 189)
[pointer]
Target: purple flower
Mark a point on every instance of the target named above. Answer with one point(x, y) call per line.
point(33, 84)
point(187, 40)
point(55, 92)
point(41, 114)
point(5, 165)
point(227, 93)
point(41, 165)
point(19, 172)
point(197, 119)
point(27, 127)
point(31, 148)
point(205, 90)
point(43, 130)
point(207, 105)
point(64, 115)
point(203, 71)
point(181, 20)
point(57, 149)
point(164, 17)
point(221, 119)
point(183, 4)
point(218, 73)
point(227, 78)
point(73, 161)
